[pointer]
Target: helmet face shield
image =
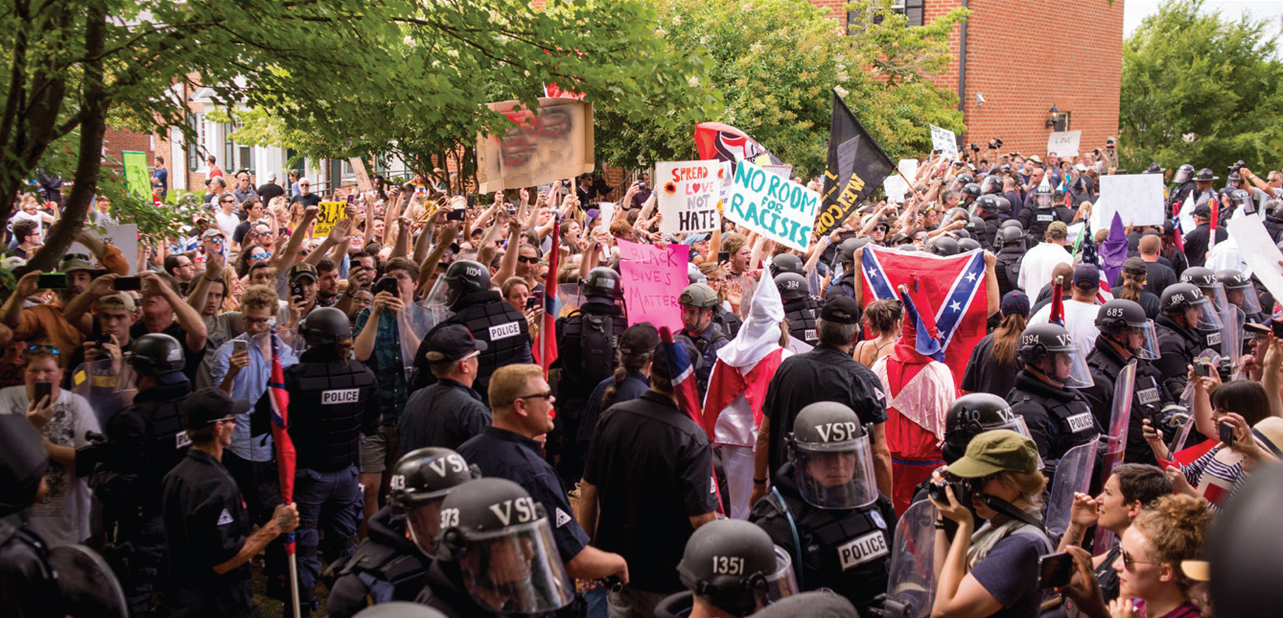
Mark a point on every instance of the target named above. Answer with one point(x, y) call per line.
point(1143, 340)
point(1208, 317)
point(1182, 174)
point(1245, 298)
point(781, 583)
point(1215, 292)
point(516, 570)
point(1067, 366)
point(835, 475)
point(423, 522)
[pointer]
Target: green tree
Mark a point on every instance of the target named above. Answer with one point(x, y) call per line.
point(775, 61)
point(350, 73)
point(1202, 89)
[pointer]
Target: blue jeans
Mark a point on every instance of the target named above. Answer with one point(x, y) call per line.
point(330, 505)
point(146, 535)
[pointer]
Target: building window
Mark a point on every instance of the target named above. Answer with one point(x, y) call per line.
point(913, 10)
point(197, 124)
point(229, 150)
point(1061, 122)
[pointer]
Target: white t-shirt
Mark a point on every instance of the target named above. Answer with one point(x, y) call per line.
point(1036, 267)
point(62, 518)
point(19, 216)
point(1080, 321)
point(227, 223)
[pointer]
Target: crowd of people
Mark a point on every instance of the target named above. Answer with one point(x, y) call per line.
point(793, 448)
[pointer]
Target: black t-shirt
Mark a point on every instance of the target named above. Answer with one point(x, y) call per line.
point(1009, 572)
point(192, 361)
point(268, 191)
point(311, 199)
point(823, 374)
point(238, 234)
point(446, 415)
point(984, 374)
point(653, 469)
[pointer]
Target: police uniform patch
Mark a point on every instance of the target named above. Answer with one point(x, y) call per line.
point(863, 549)
point(1079, 422)
point(1147, 396)
point(877, 519)
point(181, 439)
point(1044, 218)
point(340, 395)
point(224, 518)
point(562, 518)
point(503, 331)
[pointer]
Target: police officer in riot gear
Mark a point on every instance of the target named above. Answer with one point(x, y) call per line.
point(787, 263)
point(970, 192)
point(586, 344)
point(488, 316)
point(968, 244)
point(495, 555)
point(1046, 395)
point(28, 584)
point(698, 303)
point(338, 395)
point(1042, 214)
point(987, 210)
point(1187, 315)
point(1241, 201)
point(1127, 335)
point(728, 567)
point(144, 442)
point(991, 185)
point(799, 308)
point(1183, 183)
point(1240, 292)
point(392, 563)
point(825, 498)
point(944, 245)
point(845, 285)
point(1007, 265)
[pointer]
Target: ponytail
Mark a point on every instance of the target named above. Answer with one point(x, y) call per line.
point(628, 364)
point(1006, 336)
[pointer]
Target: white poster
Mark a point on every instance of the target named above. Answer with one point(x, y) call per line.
point(1064, 143)
point(1260, 253)
point(945, 141)
point(895, 185)
point(124, 237)
point(1138, 198)
point(780, 209)
point(688, 192)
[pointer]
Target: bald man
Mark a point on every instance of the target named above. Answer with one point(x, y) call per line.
point(1158, 272)
point(1044, 295)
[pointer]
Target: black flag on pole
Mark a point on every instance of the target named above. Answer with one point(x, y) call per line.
point(856, 165)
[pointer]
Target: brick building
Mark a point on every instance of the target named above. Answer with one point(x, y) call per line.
point(1017, 59)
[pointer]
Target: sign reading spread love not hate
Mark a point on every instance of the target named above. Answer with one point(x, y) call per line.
point(653, 280)
point(778, 208)
point(688, 192)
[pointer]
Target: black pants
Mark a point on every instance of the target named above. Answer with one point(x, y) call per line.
point(261, 488)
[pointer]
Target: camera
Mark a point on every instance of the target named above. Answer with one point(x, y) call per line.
point(995, 144)
point(1238, 165)
point(386, 283)
point(961, 489)
point(974, 147)
point(1202, 368)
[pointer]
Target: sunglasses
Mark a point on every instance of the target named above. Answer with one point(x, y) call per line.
point(46, 348)
point(1128, 561)
point(544, 395)
point(218, 240)
point(528, 260)
point(259, 256)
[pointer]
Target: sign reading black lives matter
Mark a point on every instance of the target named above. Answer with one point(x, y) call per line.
point(688, 194)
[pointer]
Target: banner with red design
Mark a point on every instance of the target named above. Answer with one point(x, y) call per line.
point(688, 194)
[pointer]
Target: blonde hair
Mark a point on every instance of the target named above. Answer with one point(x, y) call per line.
point(508, 383)
point(1174, 527)
point(1029, 484)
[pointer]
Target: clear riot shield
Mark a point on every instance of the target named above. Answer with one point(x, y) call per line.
point(568, 299)
point(1117, 447)
point(109, 385)
point(413, 323)
point(1187, 401)
point(1073, 474)
point(911, 587)
point(1232, 339)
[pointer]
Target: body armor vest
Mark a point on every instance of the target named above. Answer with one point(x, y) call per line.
point(334, 394)
point(801, 315)
point(503, 328)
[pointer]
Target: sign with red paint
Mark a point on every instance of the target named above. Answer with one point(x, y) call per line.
point(689, 193)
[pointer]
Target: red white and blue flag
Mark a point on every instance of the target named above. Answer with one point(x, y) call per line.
point(683, 372)
point(949, 290)
point(285, 455)
point(546, 351)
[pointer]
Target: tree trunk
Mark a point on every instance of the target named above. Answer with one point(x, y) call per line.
point(89, 165)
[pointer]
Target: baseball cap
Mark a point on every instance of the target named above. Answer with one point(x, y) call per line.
point(1202, 210)
point(638, 337)
point(303, 269)
point(1015, 302)
point(116, 301)
point(659, 362)
point(209, 405)
point(76, 261)
point(1058, 230)
point(1034, 158)
point(451, 342)
point(841, 310)
point(212, 232)
point(994, 451)
point(1086, 277)
point(694, 238)
point(1135, 266)
point(271, 176)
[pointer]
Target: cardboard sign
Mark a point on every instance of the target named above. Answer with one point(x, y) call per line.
point(688, 192)
point(780, 209)
point(895, 186)
point(123, 237)
point(945, 141)
point(548, 144)
point(653, 280)
point(1064, 143)
point(330, 213)
point(362, 177)
point(1260, 253)
point(1137, 198)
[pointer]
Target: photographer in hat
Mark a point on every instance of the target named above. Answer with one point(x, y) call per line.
point(993, 568)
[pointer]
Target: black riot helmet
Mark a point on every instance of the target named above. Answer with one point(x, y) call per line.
point(786, 263)
point(1125, 317)
point(500, 540)
point(831, 456)
point(23, 462)
point(1239, 289)
point(965, 179)
point(1183, 173)
point(968, 244)
point(733, 565)
point(1010, 235)
point(602, 282)
point(991, 184)
point(943, 245)
point(846, 251)
point(1004, 204)
point(1240, 198)
point(324, 326)
point(971, 415)
point(420, 481)
point(1042, 196)
point(1179, 298)
point(987, 203)
point(970, 192)
point(792, 286)
point(1012, 223)
point(976, 226)
point(1050, 349)
point(465, 277)
point(156, 354)
point(1202, 277)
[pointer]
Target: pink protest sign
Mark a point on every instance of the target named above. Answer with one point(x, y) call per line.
point(653, 279)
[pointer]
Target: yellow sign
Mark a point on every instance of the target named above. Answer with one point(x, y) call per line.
point(330, 214)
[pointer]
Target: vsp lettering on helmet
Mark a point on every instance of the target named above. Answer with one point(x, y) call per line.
point(525, 511)
point(838, 432)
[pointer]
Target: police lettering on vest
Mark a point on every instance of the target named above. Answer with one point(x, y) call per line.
point(863, 549)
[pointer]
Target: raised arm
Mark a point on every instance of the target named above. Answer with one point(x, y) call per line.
point(991, 283)
point(508, 267)
point(184, 314)
point(284, 259)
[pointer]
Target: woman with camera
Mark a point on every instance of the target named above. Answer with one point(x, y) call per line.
point(993, 570)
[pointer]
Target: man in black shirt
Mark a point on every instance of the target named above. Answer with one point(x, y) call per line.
point(448, 413)
point(827, 373)
point(305, 196)
point(164, 311)
point(648, 484)
point(207, 531)
point(1197, 241)
point(270, 189)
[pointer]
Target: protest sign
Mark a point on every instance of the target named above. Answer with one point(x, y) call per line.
point(895, 185)
point(553, 142)
point(653, 280)
point(1137, 198)
point(330, 213)
point(1260, 253)
point(688, 192)
point(1064, 143)
point(362, 177)
point(123, 237)
point(780, 209)
point(137, 179)
point(945, 141)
